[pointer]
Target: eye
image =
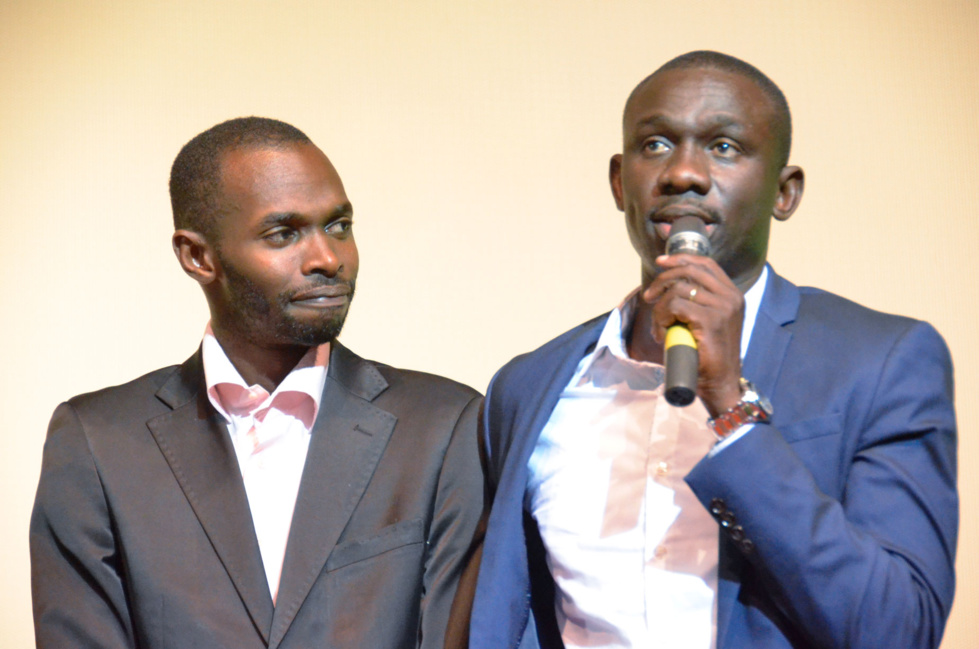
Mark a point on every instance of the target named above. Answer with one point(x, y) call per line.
point(725, 149)
point(340, 228)
point(280, 236)
point(655, 146)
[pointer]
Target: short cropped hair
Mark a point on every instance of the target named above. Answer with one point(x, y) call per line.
point(195, 178)
point(727, 63)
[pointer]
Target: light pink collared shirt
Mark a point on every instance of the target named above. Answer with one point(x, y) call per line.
point(632, 551)
point(271, 434)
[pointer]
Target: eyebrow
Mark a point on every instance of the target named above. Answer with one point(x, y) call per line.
point(272, 219)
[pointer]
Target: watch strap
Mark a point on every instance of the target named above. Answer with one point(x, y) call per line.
point(752, 408)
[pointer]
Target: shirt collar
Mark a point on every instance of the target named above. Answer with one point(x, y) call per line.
point(298, 394)
point(752, 303)
point(612, 339)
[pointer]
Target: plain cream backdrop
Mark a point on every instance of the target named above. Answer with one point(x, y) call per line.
point(473, 139)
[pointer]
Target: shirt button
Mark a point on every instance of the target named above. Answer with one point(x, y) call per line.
point(660, 552)
point(662, 468)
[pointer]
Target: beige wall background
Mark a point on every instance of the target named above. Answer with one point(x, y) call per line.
point(473, 138)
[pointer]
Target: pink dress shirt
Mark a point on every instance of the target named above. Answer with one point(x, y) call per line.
point(270, 433)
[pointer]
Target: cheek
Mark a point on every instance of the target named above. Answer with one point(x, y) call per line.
point(637, 182)
point(275, 273)
point(646, 244)
point(349, 257)
point(747, 199)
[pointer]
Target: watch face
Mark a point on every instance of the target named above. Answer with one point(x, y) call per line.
point(765, 404)
point(751, 395)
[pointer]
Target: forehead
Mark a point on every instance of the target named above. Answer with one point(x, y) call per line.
point(294, 178)
point(695, 97)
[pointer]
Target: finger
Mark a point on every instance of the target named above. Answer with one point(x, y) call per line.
point(698, 270)
point(685, 288)
point(682, 302)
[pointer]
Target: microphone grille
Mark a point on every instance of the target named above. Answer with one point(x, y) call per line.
point(688, 235)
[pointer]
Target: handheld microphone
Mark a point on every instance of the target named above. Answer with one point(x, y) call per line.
point(688, 235)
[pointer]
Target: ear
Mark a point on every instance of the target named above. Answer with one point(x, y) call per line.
point(615, 179)
point(195, 256)
point(791, 182)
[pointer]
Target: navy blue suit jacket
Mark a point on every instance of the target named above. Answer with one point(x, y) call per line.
point(838, 519)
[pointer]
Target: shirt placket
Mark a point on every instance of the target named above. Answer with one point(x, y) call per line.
point(660, 470)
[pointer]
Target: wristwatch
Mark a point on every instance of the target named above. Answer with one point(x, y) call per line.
point(752, 408)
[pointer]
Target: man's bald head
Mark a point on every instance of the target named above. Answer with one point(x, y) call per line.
point(718, 61)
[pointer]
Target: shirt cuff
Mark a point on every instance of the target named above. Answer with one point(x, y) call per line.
point(730, 439)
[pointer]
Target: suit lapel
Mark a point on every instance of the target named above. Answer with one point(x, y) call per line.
point(770, 338)
point(535, 391)
point(197, 447)
point(762, 365)
point(556, 369)
point(347, 441)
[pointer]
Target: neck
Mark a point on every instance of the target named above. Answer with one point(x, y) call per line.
point(748, 279)
point(258, 365)
point(640, 345)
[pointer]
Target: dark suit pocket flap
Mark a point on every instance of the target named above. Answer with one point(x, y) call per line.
point(391, 537)
point(812, 428)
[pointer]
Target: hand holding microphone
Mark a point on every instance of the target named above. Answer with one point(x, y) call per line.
point(688, 235)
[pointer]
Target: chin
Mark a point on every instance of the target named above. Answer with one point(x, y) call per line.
point(311, 334)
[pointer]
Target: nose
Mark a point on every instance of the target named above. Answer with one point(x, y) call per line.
point(686, 170)
point(319, 256)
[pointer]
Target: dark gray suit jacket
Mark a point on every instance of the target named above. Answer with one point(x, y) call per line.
point(142, 537)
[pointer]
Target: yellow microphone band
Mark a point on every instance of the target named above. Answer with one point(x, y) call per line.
point(679, 335)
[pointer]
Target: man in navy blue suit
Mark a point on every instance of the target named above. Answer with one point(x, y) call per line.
point(806, 498)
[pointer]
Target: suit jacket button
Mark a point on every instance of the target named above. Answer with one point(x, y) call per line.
point(747, 546)
point(727, 519)
point(737, 533)
point(717, 507)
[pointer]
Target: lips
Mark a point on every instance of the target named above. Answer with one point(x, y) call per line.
point(661, 220)
point(323, 296)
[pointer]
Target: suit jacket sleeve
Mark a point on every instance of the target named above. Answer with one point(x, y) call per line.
point(868, 560)
point(77, 589)
point(448, 585)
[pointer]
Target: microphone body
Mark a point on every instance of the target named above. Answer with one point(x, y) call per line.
point(688, 235)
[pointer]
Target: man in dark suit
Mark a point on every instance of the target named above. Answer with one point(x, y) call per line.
point(825, 517)
point(275, 490)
